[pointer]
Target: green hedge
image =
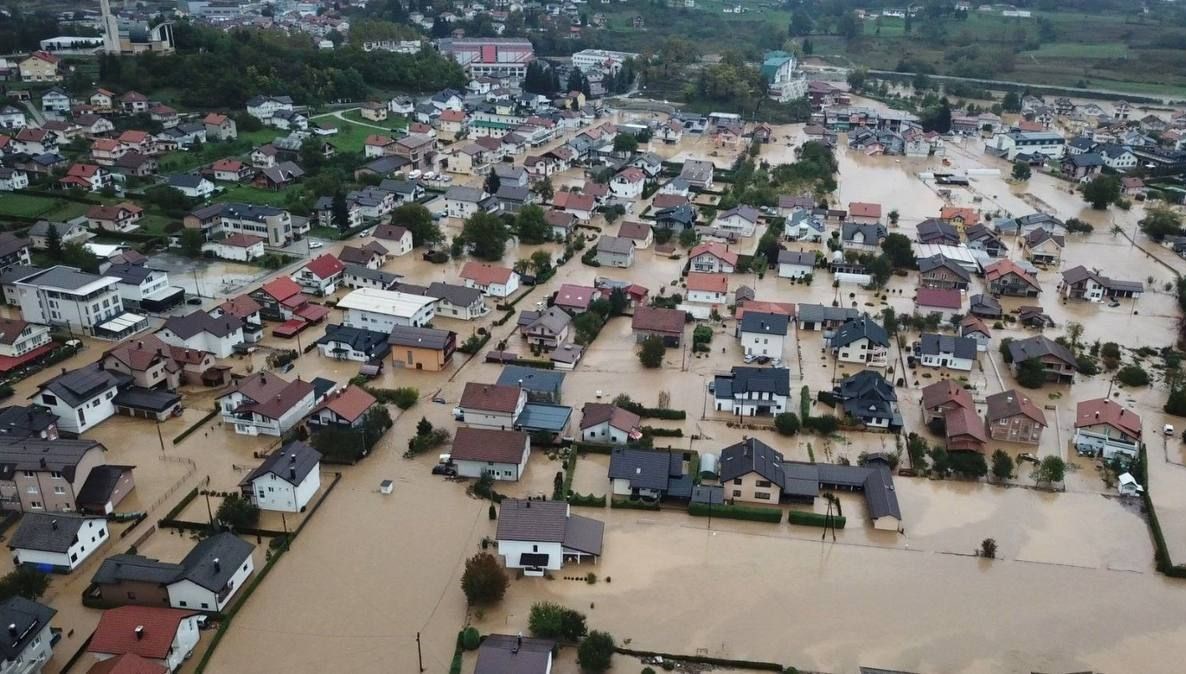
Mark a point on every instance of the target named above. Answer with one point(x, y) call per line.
point(654, 412)
point(589, 501)
point(538, 364)
point(627, 504)
point(706, 660)
point(176, 510)
point(663, 432)
point(1161, 552)
point(198, 424)
point(735, 512)
point(455, 665)
point(593, 448)
point(509, 314)
point(814, 519)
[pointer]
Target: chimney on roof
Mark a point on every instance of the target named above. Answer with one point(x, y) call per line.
point(217, 565)
point(12, 629)
point(518, 643)
point(139, 632)
point(43, 464)
point(53, 524)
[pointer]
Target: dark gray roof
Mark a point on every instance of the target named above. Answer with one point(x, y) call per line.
point(100, 484)
point(49, 532)
point(645, 468)
point(543, 521)
point(506, 654)
point(933, 262)
point(984, 304)
point(934, 229)
point(743, 380)
point(371, 342)
point(867, 394)
point(429, 338)
point(817, 313)
point(59, 455)
point(199, 322)
point(133, 274)
point(531, 379)
point(78, 386)
point(384, 278)
point(28, 617)
point(513, 193)
point(751, 456)
point(18, 422)
point(1039, 346)
point(41, 227)
point(880, 495)
point(858, 328)
point(764, 323)
point(458, 296)
point(463, 193)
point(872, 233)
point(199, 566)
point(66, 278)
point(18, 273)
point(932, 344)
point(140, 398)
point(803, 257)
point(616, 245)
point(134, 568)
point(290, 463)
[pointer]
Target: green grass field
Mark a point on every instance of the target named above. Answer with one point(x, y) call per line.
point(350, 137)
point(35, 206)
point(1074, 50)
point(393, 123)
point(254, 195)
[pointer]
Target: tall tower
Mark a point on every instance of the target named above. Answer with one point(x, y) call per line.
point(110, 28)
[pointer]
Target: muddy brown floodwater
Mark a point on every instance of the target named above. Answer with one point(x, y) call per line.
point(1074, 588)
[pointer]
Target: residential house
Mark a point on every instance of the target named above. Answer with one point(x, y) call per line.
point(22, 342)
point(628, 184)
point(68, 232)
point(12, 180)
point(453, 301)
point(975, 328)
point(984, 306)
point(382, 310)
point(192, 186)
point(677, 218)
point(547, 329)
point(542, 386)
point(231, 170)
point(946, 351)
point(869, 399)
point(40, 66)
point(946, 302)
point(119, 218)
point(1082, 167)
point(68, 297)
point(740, 221)
point(491, 405)
point(1005, 277)
point(860, 340)
point(1089, 284)
point(320, 276)
point(491, 279)
point(763, 334)
point(422, 348)
point(220, 127)
point(698, 173)
point(238, 247)
point(943, 397)
point(937, 231)
point(561, 222)
point(501, 454)
point(14, 252)
point(288, 479)
point(279, 176)
point(803, 225)
point(165, 637)
point(1043, 247)
point(862, 237)
point(88, 177)
point(201, 331)
point(1106, 429)
point(609, 424)
point(540, 536)
point(55, 100)
point(579, 205)
point(80, 398)
point(342, 342)
point(265, 404)
point(58, 542)
point(649, 474)
point(462, 202)
point(752, 391)
point(1012, 417)
point(712, 258)
point(796, 264)
point(31, 640)
point(821, 317)
point(708, 288)
point(400, 238)
point(668, 324)
point(1057, 361)
point(939, 271)
point(145, 289)
point(864, 213)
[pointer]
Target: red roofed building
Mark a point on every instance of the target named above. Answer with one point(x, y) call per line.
point(377, 145)
point(960, 216)
point(667, 324)
point(943, 301)
point(1107, 429)
point(230, 170)
point(346, 408)
point(279, 299)
point(129, 663)
point(502, 454)
point(320, 275)
point(493, 280)
point(781, 308)
point(580, 205)
point(163, 636)
point(864, 212)
point(628, 183)
point(220, 127)
point(713, 257)
point(105, 151)
point(85, 177)
point(964, 430)
point(491, 405)
point(451, 122)
point(574, 298)
point(1005, 277)
point(708, 288)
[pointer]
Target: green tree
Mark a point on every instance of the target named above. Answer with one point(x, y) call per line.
point(549, 620)
point(1030, 373)
point(493, 182)
point(857, 78)
point(470, 637)
point(618, 302)
point(418, 220)
point(530, 225)
point(596, 652)
point(1160, 222)
point(1002, 465)
point(968, 464)
point(53, 242)
point(940, 460)
point(541, 263)
point(484, 580)
point(625, 142)
point(1011, 102)
point(24, 581)
point(341, 211)
point(899, 250)
point(191, 242)
point(1133, 375)
point(423, 427)
point(652, 351)
point(801, 23)
point(849, 26)
point(916, 449)
point(544, 189)
point(237, 512)
point(786, 423)
point(486, 235)
point(1052, 469)
point(1101, 191)
point(1175, 404)
point(688, 237)
point(1021, 171)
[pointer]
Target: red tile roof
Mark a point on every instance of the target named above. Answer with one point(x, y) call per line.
point(379, 140)
point(129, 663)
point(717, 250)
point(232, 165)
point(1104, 411)
point(662, 201)
point(281, 288)
point(325, 266)
point(452, 116)
point(483, 273)
point(968, 215)
point(490, 397)
point(479, 444)
point(713, 283)
point(944, 392)
point(861, 209)
point(1001, 268)
point(349, 403)
point(116, 633)
point(575, 296)
point(656, 319)
point(946, 298)
point(240, 240)
point(215, 119)
point(632, 175)
point(762, 306)
point(240, 307)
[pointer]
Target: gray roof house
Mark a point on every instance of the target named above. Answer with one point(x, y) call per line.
point(57, 541)
point(506, 654)
point(868, 398)
point(615, 251)
point(541, 385)
point(759, 322)
point(698, 173)
point(860, 328)
point(29, 638)
point(539, 523)
point(649, 472)
point(862, 235)
point(823, 317)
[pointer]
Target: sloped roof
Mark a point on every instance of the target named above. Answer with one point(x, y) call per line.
point(116, 633)
point(490, 397)
point(1010, 403)
point(291, 463)
point(1103, 411)
point(488, 445)
point(944, 392)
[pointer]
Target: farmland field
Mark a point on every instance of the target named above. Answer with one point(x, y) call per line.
point(36, 206)
point(255, 195)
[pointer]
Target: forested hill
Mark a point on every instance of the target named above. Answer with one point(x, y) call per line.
point(216, 69)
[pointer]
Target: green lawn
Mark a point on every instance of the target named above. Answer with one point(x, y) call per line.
point(35, 206)
point(155, 223)
point(254, 195)
point(1075, 50)
point(393, 123)
point(350, 137)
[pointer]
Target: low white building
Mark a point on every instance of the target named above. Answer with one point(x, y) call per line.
point(57, 541)
point(501, 454)
point(491, 279)
point(203, 332)
point(540, 536)
point(763, 334)
point(32, 645)
point(796, 264)
point(287, 480)
point(946, 351)
point(708, 288)
point(212, 573)
point(237, 247)
point(381, 310)
point(741, 220)
point(609, 424)
point(81, 399)
point(752, 391)
point(491, 405)
point(1107, 429)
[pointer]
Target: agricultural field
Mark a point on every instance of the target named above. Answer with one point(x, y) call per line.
point(393, 123)
point(255, 195)
point(35, 206)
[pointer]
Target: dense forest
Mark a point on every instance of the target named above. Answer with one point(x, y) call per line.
point(213, 68)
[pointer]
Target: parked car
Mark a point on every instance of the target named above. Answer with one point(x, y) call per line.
point(315, 244)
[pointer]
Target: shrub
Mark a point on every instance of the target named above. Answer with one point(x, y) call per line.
point(596, 652)
point(651, 353)
point(736, 512)
point(405, 397)
point(549, 620)
point(23, 581)
point(822, 425)
point(815, 519)
point(988, 548)
point(237, 512)
point(470, 639)
point(484, 580)
point(1133, 375)
point(786, 423)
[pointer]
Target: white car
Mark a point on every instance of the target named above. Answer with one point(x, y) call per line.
point(315, 244)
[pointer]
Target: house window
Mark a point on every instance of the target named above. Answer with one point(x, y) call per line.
point(763, 483)
point(132, 596)
point(54, 474)
point(737, 481)
point(48, 399)
point(35, 505)
point(59, 490)
point(762, 495)
point(736, 493)
point(183, 604)
point(74, 557)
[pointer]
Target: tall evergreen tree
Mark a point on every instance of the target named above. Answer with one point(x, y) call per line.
point(341, 212)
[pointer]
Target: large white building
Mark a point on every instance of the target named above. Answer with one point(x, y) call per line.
point(601, 60)
point(1029, 143)
point(77, 301)
point(382, 310)
point(490, 56)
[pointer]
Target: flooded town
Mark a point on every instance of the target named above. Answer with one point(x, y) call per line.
point(490, 381)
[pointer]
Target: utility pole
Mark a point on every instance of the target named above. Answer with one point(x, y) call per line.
point(160, 437)
point(419, 656)
point(209, 512)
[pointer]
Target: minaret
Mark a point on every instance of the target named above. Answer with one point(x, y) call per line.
point(110, 28)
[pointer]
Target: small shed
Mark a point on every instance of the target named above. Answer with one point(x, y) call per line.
point(708, 466)
point(386, 487)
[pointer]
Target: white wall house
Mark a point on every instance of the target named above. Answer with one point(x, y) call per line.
point(20, 338)
point(32, 646)
point(947, 351)
point(68, 297)
point(752, 391)
point(287, 480)
point(539, 536)
point(491, 406)
point(501, 454)
point(61, 540)
point(796, 264)
point(493, 280)
point(185, 635)
point(382, 310)
point(264, 404)
point(209, 581)
point(81, 399)
point(203, 332)
point(763, 334)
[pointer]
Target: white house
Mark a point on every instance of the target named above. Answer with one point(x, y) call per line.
point(68, 297)
point(490, 405)
point(803, 225)
point(265, 404)
point(946, 351)
point(628, 184)
point(708, 288)
point(203, 332)
point(12, 180)
point(163, 636)
point(1028, 143)
point(212, 573)
point(462, 202)
point(453, 301)
point(539, 536)
point(144, 288)
point(609, 424)
point(19, 339)
point(381, 310)
point(740, 220)
point(192, 186)
point(861, 340)
point(342, 342)
point(321, 275)
point(57, 541)
point(1106, 429)
point(491, 279)
point(264, 108)
point(480, 451)
point(752, 391)
point(796, 263)
point(712, 258)
point(32, 645)
point(287, 480)
point(238, 247)
point(81, 399)
point(763, 334)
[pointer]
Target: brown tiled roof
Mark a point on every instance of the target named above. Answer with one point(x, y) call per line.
point(1104, 411)
point(490, 397)
point(714, 283)
point(116, 632)
point(484, 274)
point(1010, 403)
point(598, 413)
point(349, 403)
point(946, 391)
point(656, 319)
point(480, 444)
